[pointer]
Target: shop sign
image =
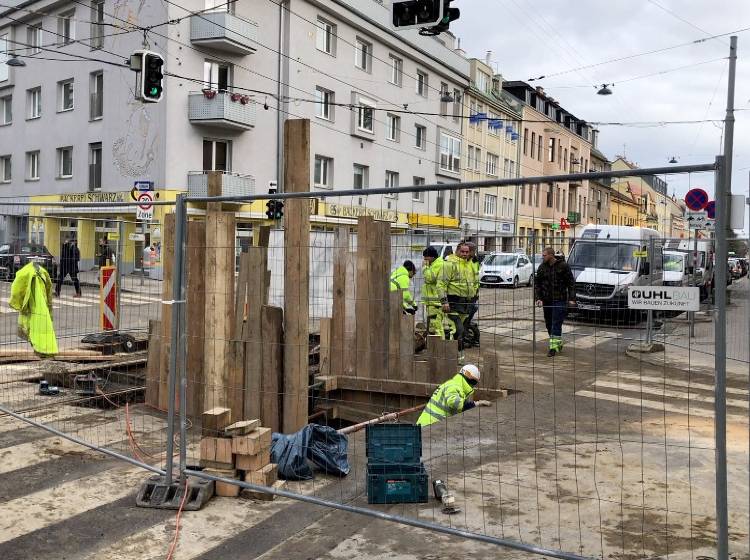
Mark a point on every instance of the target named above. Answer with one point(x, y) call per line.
point(354, 212)
point(98, 196)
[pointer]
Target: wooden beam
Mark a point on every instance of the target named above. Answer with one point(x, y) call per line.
point(406, 346)
point(403, 388)
point(273, 367)
point(165, 337)
point(379, 297)
point(195, 315)
point(490, 377)
point(338, 310)
point(365, 230)
point(296, 274)
point(325, 346)
point(152, 365)
point(395, 311)
point(256, 260)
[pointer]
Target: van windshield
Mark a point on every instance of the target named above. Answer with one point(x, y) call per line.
point(609, 256)
point(500, 260)
point(673, 263)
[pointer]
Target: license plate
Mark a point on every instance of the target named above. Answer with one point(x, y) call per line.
point(588, 307)
point(490, 279)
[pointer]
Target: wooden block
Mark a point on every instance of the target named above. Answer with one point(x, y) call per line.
point(216, 453)
point(225, 489)
point(421, 371)
point(329, 382)
point(262, 477)
point(490, 370)
point(165, 336)
point(252, 444)
point(263, 496)
point(241, 428)
point(252, 463)
point(338, 309)
point(215, 420)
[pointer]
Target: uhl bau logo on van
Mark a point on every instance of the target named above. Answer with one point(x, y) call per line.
point(676, 298)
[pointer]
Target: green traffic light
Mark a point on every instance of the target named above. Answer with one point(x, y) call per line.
point(154, 91)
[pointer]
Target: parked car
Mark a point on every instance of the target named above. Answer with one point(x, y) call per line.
point(506, 269)
point(735, 268)
point(15, 255)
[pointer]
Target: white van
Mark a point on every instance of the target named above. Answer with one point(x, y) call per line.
point(606, 260)
point(675, 269)
point(700, 268)
point(444, 249)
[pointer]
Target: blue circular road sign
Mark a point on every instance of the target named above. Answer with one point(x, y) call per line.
point(696, 199)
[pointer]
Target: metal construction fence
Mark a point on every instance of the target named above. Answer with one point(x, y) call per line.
point(607, 448)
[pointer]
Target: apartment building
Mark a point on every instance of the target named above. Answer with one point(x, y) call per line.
point(598, 209)
point(73, 131)
point(492, 151)
point(554, 142)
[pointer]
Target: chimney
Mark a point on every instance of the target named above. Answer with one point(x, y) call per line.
point(540, 90)
point(488, 59)
point(458, 48)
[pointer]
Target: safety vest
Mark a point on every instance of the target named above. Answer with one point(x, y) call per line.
point(31, 296)
point(400, 281)
point(447, 400)
point(458, 277)
point(431, 293)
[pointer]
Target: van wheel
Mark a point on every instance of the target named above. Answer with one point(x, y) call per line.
point(515, 282)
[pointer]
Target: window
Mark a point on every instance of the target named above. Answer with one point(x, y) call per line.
point(217, 155)
point(323, 172)
point(5, 170)
point(32, 166)
point(551, 150)
point(217, 76)
point(363, 55)
point(504, 207)
point(393, 124)
point(506, 167)
point(361, 176)
point(4, 70)
point(325, 37)
point(559, 154)
point(450, 153)
point(470, 160)
point(444, 94)
point(397, 71)
point(34, 103)
point(418, 196)
point(522, 191)
point(557, 199)
point(477, 160)
point(490, 204)
point(65, 27)
point(565, 158)
point(540, 143)
point(533, 145)
point(324, 103)
point(439, 203)
point(34, 38)
point(218, 6)
point(475, 202)
point(550, 195)
point(456, 105)
point(490, 129)
point(391, 182)
point(483, 82)
point(420, 136)
point(492, 162)
point(97, 19)
point(6, 109)
point(365, 115)
point(96, 104)
point(95, 166)
point(65, 95)
point(65, 162)
point(422, 84)
point(452, 204)
point(526, 141)
point(472, 112)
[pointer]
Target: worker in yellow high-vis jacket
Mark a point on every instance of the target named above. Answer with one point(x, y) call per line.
point(458, 283)
point(452, 397)
point(401, 280)
point(432, 295)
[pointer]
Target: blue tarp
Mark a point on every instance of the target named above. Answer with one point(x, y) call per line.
point(322, 446)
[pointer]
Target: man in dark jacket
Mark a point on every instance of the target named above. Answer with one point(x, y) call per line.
point(69, 266)
point(554, 288)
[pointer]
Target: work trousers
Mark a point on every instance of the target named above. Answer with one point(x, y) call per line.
point(554, 316)
point(458, 321)
point(73, 273)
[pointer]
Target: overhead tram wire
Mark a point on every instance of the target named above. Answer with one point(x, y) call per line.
point(682, 19)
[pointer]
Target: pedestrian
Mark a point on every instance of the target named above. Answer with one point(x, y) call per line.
point(432, 295)
point(105, 253)
point(458, 284)
point(400, 280)
point(69, 267)
point(453, 397)
point(471, 332)
point(554, 288)
point(146, 258)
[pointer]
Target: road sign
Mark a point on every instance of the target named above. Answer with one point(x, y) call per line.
point(145, 210)
point(143, 185)
point(696, 199)
point(711, 209)
point(710, 225)
point(108, 297)
point(640, 254)
point(674, 298)
point(113, 236)
point(696, 220)
point(137, 237)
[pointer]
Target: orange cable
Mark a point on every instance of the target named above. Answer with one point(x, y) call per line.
point(177, 523)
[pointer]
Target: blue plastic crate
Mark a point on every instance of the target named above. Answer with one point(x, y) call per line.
point(397, 484)
point(394, 444)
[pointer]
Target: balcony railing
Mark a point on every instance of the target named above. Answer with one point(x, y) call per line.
point(232, 184)
point(222, 109)
point(224, 31)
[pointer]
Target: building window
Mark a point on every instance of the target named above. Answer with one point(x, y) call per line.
point(456, 105)
point(393, 124)
point(439, 203)
point(97, 21)
point(5, 170)
point(6, 110)
point(550, 195)
point(492, 161)
point(422, 83)
point(470, 158)
point(491, 129)
point(65, 95)
point(65, 162)
point(95, 166)
point(365, 115)
point(66, 27)
point(325, 37)
point(483, 82)
point(450, 153)
point(453, 204)
point(559, 154)
point(472, 112)
point(218, 6)
point(391, 182)
point(444, 93)
point(490, 205)
point(323, 172)
point(217, 76)
point(526, 141)
point(34, 38)
point(477, 159)
point(363, 55)
point(361, 176)
point(217, 155)
point(4, 70)
point(475, 202)
point(420, 136)
point(32, 166)
point(397, 71)
point(34, 103)
point(522, 192)
point(324, 103)
point(96, 103)
point(551, 150)
point(418, 196)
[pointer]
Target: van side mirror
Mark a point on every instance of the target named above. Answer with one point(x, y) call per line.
point(645, 269)
point(690, 270)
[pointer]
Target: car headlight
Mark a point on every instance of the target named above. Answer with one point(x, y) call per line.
point(621, 290)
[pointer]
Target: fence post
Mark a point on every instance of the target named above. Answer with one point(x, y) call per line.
point(180, 272)
point(118, 272)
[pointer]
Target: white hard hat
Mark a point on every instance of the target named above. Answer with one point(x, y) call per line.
point(471, 371)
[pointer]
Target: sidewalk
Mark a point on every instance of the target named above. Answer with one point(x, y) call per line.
point(134, 282)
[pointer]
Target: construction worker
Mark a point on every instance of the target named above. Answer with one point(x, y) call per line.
point(458, 284)
point(432, 296)
point(400, 280)
point(554, 288)
point(471, 334)
point(452, 397)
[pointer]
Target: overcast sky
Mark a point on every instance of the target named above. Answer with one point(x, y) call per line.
point(543, 37)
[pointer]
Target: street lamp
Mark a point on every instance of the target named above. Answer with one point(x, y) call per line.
point(15, 62)
point(604, 90)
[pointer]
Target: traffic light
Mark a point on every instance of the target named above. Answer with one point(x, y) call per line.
point(274, 209)
point(416, 14)
point(152, 78)
point(448, 15)
point(279, 210)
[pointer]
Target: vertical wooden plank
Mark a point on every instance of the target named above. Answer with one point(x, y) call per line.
point(421, 371)
point(257, 263)
point(448, 359)
point(406, 347)
point(433, 357)
point(365, 229)
point(325, 346)
point(165, 336)
point(338, 309)
point(195, 263)
point(395, 311)
point(380, 259)
point(490, 374)
point(261, 236)
point(273, 367)
point(153, 364)
point(296, 274)
point(350, 322)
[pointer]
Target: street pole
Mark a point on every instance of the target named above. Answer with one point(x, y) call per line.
point(118, 272)
point(650, 312)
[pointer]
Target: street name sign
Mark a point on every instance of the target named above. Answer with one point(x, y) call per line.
point(667, 298)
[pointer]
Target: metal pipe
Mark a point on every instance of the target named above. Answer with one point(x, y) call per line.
point(79, 441)
point(507, 543)
point(181, 273)
point(118, 273)
point(384, 418)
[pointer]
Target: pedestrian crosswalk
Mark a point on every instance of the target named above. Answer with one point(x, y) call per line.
point(68, 301)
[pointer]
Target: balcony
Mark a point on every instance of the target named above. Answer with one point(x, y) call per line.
point(222, 109)
point(232, 184)
point(224, 32)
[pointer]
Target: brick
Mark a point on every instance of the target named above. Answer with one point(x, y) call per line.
point(252, 444)
point(215, 420)
point(263, 477)
point(252, 462)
